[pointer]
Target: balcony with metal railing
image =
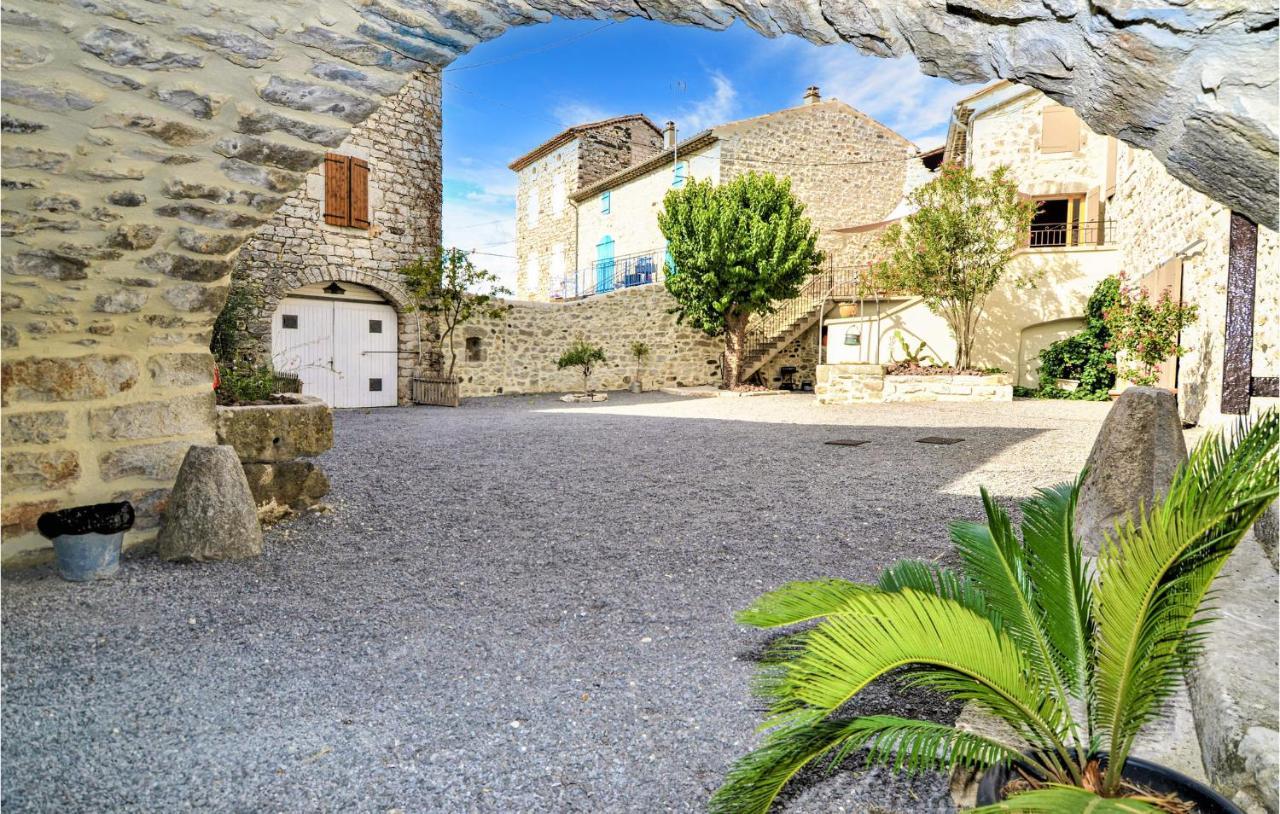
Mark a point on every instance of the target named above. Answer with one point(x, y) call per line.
point(1093, 233)
point(603, 276)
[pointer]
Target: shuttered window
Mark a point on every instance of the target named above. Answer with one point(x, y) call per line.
point(346, 191)
point(1059, 130)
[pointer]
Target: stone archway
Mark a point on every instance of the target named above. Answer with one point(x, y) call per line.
point(143, 145)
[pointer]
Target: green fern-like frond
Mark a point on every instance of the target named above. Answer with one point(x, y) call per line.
point(1067, 800)
point(944, 582)
point(798, 602)
point(996, 561)
point(1153, 577)
point(1055, 567)
point(755, 780)
point(878, 632)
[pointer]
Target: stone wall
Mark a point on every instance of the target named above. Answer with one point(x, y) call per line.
point(857, 383)
point(800, 353)
point(401, 143)
point(519, 350)
point(1160, 217)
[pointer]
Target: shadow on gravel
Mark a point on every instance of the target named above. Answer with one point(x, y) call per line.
point(507, 610)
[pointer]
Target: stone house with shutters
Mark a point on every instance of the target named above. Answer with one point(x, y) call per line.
point(327, 259)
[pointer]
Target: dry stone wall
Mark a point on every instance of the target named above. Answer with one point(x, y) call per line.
point(145, 142)
point(519, 351)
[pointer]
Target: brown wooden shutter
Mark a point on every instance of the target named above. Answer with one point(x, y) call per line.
point(359, 193)
point(1059, 130)
point(1167, 277)
point(1091, 231)
point(337, 186)
point(1113, 147)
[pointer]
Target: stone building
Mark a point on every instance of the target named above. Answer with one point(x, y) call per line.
point(389, 169)
point(546, 233)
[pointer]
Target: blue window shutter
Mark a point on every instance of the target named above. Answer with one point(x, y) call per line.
point(677, 177)
point(604, 264)
point(668, 261)
point(606, 202)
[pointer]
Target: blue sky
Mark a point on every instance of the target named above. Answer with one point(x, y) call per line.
point(509, 95)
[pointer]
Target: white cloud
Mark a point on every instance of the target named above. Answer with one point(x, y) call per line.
point(572, 113)
point(720, 107)
point(892, 91)
point(479, 214)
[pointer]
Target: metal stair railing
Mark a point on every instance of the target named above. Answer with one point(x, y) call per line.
point(768, 334)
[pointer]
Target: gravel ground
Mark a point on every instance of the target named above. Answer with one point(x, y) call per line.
point(515, 606)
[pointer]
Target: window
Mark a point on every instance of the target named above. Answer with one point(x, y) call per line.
point(679, 174)
point(375, 326)
point(375, 385)
point(346, 191)
point(557, 196)
point(289, 321)
point(475, 349)
point(531, 208)
point(1056, 222)
point(606, 202)
point(1059, 130)
point(557, 264)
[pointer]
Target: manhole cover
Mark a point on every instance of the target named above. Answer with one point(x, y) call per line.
point(936, 439)
point(845, 442)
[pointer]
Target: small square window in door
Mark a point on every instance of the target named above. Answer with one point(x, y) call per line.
point(290, 321)
point(375, 385)
point(375, 326)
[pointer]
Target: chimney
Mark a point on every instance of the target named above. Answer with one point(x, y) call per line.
point(811, 95)
point(669, 136)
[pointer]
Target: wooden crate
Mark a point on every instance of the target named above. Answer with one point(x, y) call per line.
point(439, 391)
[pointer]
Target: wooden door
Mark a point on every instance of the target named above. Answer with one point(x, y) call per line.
point(364, 354)
point(302, 343)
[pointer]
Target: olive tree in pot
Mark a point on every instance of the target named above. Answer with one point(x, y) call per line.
point(640, 352)
point(583, 355)
point(1025, 631)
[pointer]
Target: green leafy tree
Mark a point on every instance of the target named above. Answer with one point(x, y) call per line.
point(1146, 329)
point(640, 352)
point(448, 288)
point(956, 246)
point(582, 354)
point(1026, 631)
point(738, 250)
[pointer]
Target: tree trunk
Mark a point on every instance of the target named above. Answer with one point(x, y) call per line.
point(735, 346)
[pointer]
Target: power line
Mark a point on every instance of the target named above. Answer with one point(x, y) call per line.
point(538, 50)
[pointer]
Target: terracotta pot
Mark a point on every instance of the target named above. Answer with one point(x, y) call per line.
point(848, 309)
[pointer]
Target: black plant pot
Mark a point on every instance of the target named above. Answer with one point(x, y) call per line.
point(1142, 772)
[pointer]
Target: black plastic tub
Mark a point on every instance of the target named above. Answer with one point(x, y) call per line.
point(1142, 772)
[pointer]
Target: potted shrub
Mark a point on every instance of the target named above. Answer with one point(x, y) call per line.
point(583, 355)
point(1026, 631)
point(640, 352)
point(1144, 332)
point(86, 539)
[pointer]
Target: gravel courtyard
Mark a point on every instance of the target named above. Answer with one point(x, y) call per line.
point(515, 606)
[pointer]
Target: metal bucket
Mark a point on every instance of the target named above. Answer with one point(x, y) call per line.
point(89, 556)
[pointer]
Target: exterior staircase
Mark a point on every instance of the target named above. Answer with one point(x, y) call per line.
point(771, 333)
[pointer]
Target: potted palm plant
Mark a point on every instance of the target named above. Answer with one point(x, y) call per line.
point(1076, 660)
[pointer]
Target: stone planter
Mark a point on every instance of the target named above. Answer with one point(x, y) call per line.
point(271, 440)
point(855, 383)
point(583, 398)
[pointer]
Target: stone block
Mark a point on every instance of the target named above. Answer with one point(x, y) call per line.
point(148, 506)
point(211, 515)
point(20, 518)
point(154, 461)
point(34, 428)
point(39, 471)
point(295, 484)
point(181, 369)
point(277, 432)
point(1132, 462)
point(185, 415)
point(76, 378)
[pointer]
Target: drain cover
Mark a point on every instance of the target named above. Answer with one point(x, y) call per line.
point(845, 442)
point(936, 439)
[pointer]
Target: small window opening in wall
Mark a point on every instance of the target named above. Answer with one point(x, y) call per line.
point(375, 326)
point(290, 321)
point(475, 349)
point(375, 385)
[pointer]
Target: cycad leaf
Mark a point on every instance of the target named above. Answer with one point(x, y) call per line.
point(877, 632)
point(929, 578)
point(756, 779)
point(1056, 570)
point(996, 561)
point(1153, 578)
point(1066, 800)
point(798, 602)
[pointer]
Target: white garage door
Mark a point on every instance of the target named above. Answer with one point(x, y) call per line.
point(344, 352)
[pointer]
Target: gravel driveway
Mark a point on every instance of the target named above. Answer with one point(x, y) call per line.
point(515, 606)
